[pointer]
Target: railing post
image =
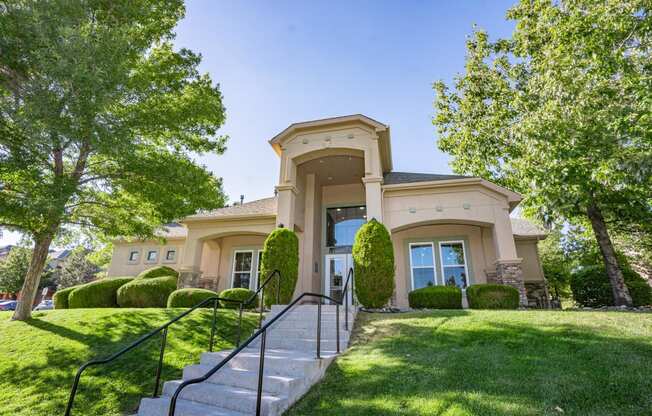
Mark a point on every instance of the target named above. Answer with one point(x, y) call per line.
point(213, 326)
point(337, 326)
point(346, 313)
point(261, 369)
point(239, 324)
point(319, 329)
point(164, 337)
point(262, 305)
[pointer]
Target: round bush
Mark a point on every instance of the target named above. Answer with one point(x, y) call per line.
point(60, 297)
point(158, 271)
point(239, 294)
point(373, 259)
point(280, 252)
point(189, 297)
point(147, 293)
point(591, 287)
point(491, 296)
point(436, 297)
point(101, 293)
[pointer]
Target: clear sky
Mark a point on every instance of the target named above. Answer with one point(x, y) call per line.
point(280, 62)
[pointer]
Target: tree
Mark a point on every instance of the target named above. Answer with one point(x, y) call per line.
point(280, 252)
point(99, 116)
point(76, 269)
point(561, 113)
point(373, 261)
point(14, 268)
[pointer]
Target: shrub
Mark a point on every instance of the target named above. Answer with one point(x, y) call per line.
point(436, 297)
point(158, 271)
point(60, 297)
point(280, 252)
point(373, 259)
point(491, 296)
point(189, 297)
point(101, 293)
point(591, 287)
point(240, 294)
point(147, 293)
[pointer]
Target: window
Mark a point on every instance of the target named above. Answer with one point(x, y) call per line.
point(422, 264)
point(453, 264)
point(259, 261)
point(134, 255)
point(152, 255)
point(170, 255)
point(341, 226)
point(242, 268)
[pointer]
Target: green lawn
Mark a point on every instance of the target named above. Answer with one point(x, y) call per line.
point(39, 358)
point(491, 363)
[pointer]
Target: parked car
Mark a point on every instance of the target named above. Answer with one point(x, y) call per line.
point(45, 305)
point(8, 305)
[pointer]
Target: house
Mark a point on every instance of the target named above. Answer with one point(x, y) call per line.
point(335, 174)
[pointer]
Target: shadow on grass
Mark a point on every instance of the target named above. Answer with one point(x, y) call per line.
point(43, 374)
point(454, 363)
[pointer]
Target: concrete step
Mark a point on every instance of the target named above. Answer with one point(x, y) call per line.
point(327, 332)
point(160, 406)
point(276, 385)
point(228, 397)
point(278, 362)
point(312, 308)
point(309, 345)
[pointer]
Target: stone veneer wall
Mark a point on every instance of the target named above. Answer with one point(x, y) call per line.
point(512, 274)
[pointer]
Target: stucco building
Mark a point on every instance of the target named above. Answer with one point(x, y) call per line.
point(335, 174)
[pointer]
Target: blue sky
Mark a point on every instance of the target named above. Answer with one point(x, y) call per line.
point(280, 62)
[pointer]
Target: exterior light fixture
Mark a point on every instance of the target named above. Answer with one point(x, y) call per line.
point(466, 205)
point(439, 208)
point(412, 210)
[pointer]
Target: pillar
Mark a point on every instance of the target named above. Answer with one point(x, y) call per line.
point(508, 264)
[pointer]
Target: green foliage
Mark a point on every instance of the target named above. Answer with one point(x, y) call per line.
point(60, 297)
point(556, 264)
point(491, 296)
point(101, 293)
point(280, 252)
point(591, 287)
point(76, 269)
point(436, 297)
point(147, 293)
point(158, 271)
point(373, 259)
point(14, 268)
point(102, 119)
point(189, 297)
point(561, 113)
point(239, 294)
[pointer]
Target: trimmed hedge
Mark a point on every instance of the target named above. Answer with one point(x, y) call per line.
point(237, 293)
point(373, 259)
point(158, 271)
point(280, 252)
point(60, 297)
point(147, 292)
point(436, 297)
point(189, 297)
point(492, 296)
point(101, 293)
point(591, 287)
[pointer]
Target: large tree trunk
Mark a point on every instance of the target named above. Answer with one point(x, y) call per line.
point(618, 288)
point(32, 279)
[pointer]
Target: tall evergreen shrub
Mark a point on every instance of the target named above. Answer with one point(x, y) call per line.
point(280, 252)
point(373, 259)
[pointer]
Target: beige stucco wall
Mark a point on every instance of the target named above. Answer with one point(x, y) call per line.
point(224, 263)
point(120, 265)
point(531, 265)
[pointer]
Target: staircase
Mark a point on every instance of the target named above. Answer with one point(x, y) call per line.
point(291, 367)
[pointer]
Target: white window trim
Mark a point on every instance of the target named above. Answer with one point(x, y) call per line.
point(164, 258)
point(146, 258)
point(132, 250)
point(466, 263)
point(251, 271)
point(434, 260)
point(258, 257)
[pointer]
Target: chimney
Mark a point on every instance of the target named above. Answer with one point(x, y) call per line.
point(241, 199)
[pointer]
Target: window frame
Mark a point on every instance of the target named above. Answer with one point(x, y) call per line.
point(443, 266)
point(149, 251)
point(132, 251)
point(167, 251)
point(251, 270)
point(259, 257)
point(434, 261)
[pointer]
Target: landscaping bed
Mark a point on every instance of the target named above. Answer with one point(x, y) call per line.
point(469, 362)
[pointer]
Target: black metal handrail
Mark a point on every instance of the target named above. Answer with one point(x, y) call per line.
point(262, 332)
point(261, 288)
point(163, 330)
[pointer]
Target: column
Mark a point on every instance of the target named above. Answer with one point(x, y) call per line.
point(508, 264)
point(190, 269)
point(373, 197)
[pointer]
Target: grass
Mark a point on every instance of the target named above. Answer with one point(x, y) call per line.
point(39, 358)
point(452, 363)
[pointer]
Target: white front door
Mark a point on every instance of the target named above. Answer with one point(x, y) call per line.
point(337, 269)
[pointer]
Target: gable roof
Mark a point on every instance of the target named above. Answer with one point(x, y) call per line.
point(259, 207)
point(394, 178)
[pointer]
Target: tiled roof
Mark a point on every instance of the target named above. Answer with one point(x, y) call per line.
point(393, 178)
point(172, 230)
point(524, 228)
point(265, 206)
